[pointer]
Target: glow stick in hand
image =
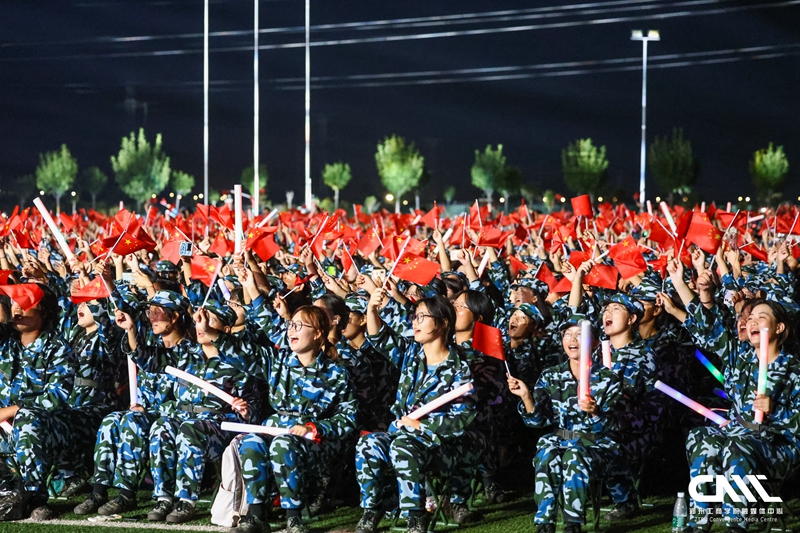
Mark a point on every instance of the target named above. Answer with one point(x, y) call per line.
point(711, 368)
point(586, 347)
point(607, 354)
point(133, 386)
point(482, 266)
point(691, 404)
point(440, 401)
point(237, 206)
point(204, 385)
point(62, 242)
point(668, 215)
point(253, 428)
point(7, 427)
point(763, 361)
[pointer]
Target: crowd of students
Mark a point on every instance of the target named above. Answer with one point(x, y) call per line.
point(309, 330)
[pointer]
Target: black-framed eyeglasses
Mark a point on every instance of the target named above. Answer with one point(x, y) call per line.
point(419, 317)
point(297, 326)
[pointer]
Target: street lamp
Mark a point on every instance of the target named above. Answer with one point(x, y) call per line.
point(638, 35)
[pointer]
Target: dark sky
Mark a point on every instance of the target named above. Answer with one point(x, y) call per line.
point(727, 72)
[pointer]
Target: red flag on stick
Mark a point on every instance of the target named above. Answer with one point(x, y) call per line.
point(204, 268)
point(94, 290)
point(703, 233)
point(627, 258)
point(25, 295)
point(488, 340)
point(415, 269)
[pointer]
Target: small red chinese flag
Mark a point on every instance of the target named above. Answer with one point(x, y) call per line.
point(415, 269)
point(369, 242)
point(603, 276)
point(266, 248)
point(516, 266)
point(627, 258)
point(488, 340)
point(582, 206)
point(127, 243)
point(703, 233)
point(4, 274)
point(94, 290)
point(546, 275)
point(221, 246)
point(25, 295)
point(204, 268)
point(757, 253)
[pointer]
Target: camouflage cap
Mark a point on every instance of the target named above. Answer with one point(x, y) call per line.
point(170, 300)
point(166, 267)
point(223, 312)
point(233, 280)
point(538, 286)
point(356, 302)
point(631, 304)
point(646, 291)
point(532, 312)
point(575, 319)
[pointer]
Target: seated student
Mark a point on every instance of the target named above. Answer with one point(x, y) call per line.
point(430, 365)
point(744, 447)
point(577, 450)
point(312, 397)
point(37, 365)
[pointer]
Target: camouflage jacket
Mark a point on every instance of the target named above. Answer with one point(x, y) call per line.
point(491, 390)
point(420, 384)
point(374, 384)
point(555, 399)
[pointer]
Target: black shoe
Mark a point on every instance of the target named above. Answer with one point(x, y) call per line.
point(462, 514)
point(369, 521)
point(418, 524)
point(294, 524)
point(183, 512)
point(251, 524)
point(72, 486)
point(118, 505)
point(572, 527)
point(493, 493)
point(545, 528)
point(90, 505)
point(42, 513)
point(622, 511)
point(13, 504)
point(160, 511)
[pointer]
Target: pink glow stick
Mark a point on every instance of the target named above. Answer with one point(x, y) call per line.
point(649, 208)
point(440, 401)
point(482, 266)
point(253, 428)
point(133, 386)
point(586, 348)
point(607, 354)
point(668, 215)
point(691, 404)
point(62, 242)
point(237, 206)
point(763, 361)
point(7, 427)
point(206, 386)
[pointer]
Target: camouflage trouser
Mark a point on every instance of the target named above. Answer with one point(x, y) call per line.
point(712, 451)
point(295, 462)
point(621, 470)
point(377, 454)
point(565, 467)
point(463, 457)
point(120, 451)
point(197, 441)
point(76, 458)
point(164, 455)
point(37, 439)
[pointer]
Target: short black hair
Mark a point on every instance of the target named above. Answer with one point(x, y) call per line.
point(479, 305)
point(443, 314)
point(336, 306)
point(454, 283)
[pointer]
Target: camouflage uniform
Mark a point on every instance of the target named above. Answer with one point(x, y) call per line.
point(409, 451)
point(566, 462)
point(742, 447)
point(38, 379)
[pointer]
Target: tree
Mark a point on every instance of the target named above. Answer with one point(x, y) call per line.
point(770, 169)
point(509, 183)
point(584, 166)
point(248, 182)
point(399, 166)
point(421, 184)
point(95, 181)
point(549, 200)
point(24, 188)
point(182, 184)
point(488, 170)
point(336, 176)
point(530, 193)
point(371, 204)
point(449, 194)
point(672, 164)
point(56, 173)
point(141, 169)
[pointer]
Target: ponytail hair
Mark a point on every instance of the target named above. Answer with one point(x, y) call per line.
point(318, 319)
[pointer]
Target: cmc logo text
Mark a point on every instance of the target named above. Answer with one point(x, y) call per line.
point(724, 487)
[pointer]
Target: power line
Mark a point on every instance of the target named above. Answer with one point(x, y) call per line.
point(430, 35)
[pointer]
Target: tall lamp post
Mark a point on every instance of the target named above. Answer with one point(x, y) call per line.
point(638, 35)
point(308, 198)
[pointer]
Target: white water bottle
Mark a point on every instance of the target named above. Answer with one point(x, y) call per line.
point(679, 514)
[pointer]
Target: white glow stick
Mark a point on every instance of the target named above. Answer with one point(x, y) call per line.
point(62, 242)
point(482, 266)
point(224, 289)
point(445, 238)
point(133, 387)
point(763, 361)
point(649, 208)
point(691, 404)
point(267, 218)
point(206, 386)
point(7, 427)
point(440, 401)
point(586, 348)
point(607, 354)
point(253, 428)
point(728, 208)
point(755, 219)
point(237, 206)
point(668, 215)
point(703, 207)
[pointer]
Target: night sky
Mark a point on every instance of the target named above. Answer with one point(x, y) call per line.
point(727, 72)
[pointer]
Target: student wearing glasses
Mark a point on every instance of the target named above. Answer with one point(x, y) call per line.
point(430, 365)
point(312, 398)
